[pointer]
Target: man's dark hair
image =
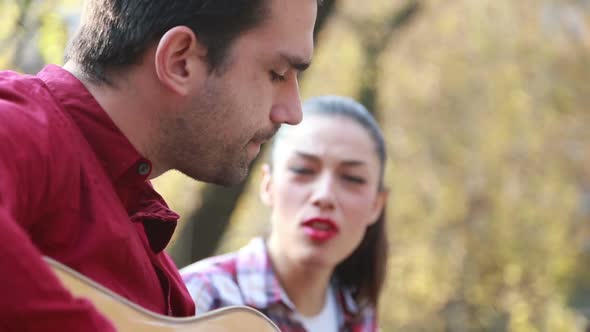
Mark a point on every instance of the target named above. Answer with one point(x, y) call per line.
point(116, 33)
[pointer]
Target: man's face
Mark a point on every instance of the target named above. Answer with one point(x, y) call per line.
point(239, 109)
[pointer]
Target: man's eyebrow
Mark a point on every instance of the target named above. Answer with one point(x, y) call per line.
point(295, 62)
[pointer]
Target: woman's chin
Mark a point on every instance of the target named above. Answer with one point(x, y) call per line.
point(318, 260)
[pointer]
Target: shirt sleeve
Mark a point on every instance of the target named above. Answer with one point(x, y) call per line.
point(31, 296)
point(212, 289)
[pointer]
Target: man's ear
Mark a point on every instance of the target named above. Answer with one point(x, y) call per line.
point(266, 185)
point(180, 60)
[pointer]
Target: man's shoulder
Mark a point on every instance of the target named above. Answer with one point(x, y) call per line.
point(26, 105)
point(16, 80)
point(17, 88)
point(34, 131)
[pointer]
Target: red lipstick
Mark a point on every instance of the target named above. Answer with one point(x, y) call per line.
point(320, 229)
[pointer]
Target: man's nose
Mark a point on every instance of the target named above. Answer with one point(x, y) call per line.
point(287, 108)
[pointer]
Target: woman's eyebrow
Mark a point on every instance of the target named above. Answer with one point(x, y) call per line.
point(346, 162)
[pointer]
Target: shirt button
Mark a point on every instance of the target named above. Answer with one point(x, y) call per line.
point(143, 168)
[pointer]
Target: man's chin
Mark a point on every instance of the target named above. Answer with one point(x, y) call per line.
point(227, 178)
point(228, 181)
point(229, 174)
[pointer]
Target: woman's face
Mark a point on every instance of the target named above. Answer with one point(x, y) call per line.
point(323, 190)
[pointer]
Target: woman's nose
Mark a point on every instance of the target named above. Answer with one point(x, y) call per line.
point(323, 194)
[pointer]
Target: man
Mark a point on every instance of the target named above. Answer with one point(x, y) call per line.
point(148, 86)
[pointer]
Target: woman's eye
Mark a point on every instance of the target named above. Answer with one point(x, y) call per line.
point(354, 179)
point(301, 170)
point(276, 77)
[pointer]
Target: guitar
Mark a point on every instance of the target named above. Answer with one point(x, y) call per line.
point(128, 316)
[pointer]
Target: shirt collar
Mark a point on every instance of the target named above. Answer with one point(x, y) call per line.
point(127, 169)
point(260, 286)
point(256, 278)
point(158, 220)
point(347, 300)
point(110, 145)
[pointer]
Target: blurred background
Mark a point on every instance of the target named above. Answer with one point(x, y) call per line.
point(485, 107)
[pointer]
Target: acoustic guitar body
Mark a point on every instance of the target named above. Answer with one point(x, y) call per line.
point(128, 316)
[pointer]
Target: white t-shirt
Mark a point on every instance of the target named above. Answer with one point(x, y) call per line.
point(326, 320)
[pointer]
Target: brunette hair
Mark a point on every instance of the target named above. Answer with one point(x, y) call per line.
point(116, 33)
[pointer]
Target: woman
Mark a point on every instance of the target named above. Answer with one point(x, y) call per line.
point(322, 266)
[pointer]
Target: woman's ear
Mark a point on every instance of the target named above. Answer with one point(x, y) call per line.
point(379, 205)
point(266, 185)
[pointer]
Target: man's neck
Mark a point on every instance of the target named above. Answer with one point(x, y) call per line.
point(128, 106)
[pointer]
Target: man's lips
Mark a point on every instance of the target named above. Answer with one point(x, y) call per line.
point(257, 141)
point(264, 137)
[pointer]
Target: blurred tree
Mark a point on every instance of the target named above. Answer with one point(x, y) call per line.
point(375, 36)
point(34, 32)
point(486, 116)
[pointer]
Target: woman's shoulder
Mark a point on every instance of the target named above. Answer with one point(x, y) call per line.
point(217, 281)
point(228, 264)
point(212, 282)
point(216, 265)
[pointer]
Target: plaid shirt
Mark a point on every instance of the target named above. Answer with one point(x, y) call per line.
point(246, 278)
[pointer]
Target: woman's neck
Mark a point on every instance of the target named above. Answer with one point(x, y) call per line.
point(306, 285)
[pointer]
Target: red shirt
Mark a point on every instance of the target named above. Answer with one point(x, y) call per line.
point(72, 187)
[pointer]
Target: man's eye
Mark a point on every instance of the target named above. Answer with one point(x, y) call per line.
point(276, 77)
